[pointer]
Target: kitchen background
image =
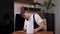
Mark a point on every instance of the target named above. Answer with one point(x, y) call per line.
point(7, 22)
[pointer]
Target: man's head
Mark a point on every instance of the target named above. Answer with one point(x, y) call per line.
point(25, 14)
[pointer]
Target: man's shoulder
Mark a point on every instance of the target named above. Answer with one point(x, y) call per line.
point(36, 14)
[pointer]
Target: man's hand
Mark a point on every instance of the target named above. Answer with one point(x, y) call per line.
point(24, 28)
point(35, 30)
point(41, 26)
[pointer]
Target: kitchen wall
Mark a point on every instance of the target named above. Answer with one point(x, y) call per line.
point(57, 17)
point(52, 10)
point(17, 8)
point(18, 5)
point(56, 12)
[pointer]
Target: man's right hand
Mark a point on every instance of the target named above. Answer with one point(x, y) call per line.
point(24, 29)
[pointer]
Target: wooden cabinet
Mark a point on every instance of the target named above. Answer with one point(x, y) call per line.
point(50, 21)
point(19, 22)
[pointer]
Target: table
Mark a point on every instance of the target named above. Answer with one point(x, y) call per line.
point(44, 32)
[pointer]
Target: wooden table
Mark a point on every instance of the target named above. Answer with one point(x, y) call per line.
point(34, 33)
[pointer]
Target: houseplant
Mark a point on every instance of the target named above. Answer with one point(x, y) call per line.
point(48, 5)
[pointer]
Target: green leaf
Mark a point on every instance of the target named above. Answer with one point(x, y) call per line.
point(49, 4)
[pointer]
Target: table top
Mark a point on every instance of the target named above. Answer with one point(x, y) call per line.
point(44, 32)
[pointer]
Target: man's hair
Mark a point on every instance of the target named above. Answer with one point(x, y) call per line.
point(28, 11)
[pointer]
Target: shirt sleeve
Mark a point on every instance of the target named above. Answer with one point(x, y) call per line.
point(38, 19)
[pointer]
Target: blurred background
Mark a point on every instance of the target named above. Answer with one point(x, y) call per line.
point(45, 8)
point(11, 21)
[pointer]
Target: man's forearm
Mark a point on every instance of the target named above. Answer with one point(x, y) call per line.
point(41, 26)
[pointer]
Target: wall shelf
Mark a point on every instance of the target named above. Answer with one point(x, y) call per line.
point(31, 9)
point(26, 2)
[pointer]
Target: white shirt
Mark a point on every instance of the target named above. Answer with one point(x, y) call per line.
point(37, 19)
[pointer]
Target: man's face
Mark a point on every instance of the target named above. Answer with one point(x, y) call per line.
point(25, 15)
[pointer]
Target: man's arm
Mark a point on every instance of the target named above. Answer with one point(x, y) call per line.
point(41, 26)
point(39, 21)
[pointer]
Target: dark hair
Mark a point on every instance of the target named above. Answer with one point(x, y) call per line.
point(28, 11)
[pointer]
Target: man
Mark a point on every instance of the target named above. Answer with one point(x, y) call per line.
point(33, 17)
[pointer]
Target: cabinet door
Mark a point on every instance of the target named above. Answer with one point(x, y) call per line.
point(19, 22)
point(50, 21)
point(6, 22)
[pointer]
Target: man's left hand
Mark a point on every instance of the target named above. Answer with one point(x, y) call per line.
point(35, 30)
